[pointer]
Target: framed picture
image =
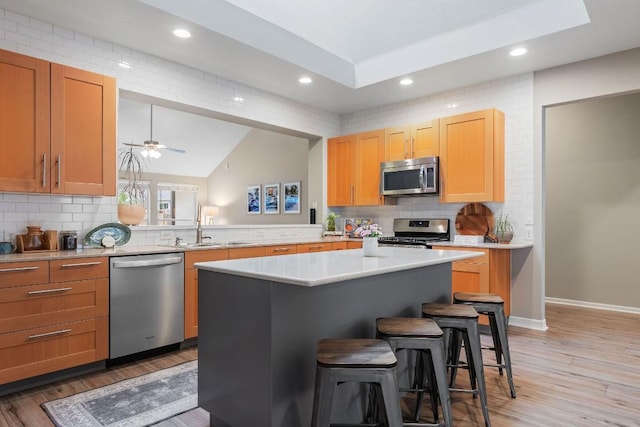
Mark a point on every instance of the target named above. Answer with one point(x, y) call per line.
point(253, 199)
point(272, 198)
point(291, 192)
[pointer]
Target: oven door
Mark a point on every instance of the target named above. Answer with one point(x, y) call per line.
point(409, 177)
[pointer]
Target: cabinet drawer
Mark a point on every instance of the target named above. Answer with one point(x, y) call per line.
point(191, 257)
point(251, 252)
point(338, 246)
point(313, 247)
point(79, 269)
point(354, 245)
point(39, 351)
point(27, 307)
point(23, 273)
point(280, 250)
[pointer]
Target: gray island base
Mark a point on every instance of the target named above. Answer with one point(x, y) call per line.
point(260, 320)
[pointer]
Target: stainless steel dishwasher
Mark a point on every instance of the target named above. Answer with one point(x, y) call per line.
point(146, 302)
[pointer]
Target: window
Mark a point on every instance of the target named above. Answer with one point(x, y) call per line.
point(177, 203)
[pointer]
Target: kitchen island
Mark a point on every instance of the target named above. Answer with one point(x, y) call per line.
point(260, 320)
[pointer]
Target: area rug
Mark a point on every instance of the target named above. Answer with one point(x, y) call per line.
point(136, 402)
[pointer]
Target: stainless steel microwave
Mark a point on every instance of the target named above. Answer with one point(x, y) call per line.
point(411, 177)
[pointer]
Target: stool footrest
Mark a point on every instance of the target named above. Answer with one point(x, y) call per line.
point(465, 390)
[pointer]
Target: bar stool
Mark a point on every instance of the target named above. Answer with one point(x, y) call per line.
point(462, 320)
point(493, 306)
point(355, 360)
point(426, 337)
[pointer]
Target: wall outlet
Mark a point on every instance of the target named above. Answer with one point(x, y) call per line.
point(528, 233)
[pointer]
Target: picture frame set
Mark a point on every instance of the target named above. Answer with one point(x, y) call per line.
point(271, 199)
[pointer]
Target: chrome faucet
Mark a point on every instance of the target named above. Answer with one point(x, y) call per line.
point(199, 227)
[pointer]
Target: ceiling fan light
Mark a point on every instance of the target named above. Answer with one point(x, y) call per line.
point(144, 153)
point(155, 154)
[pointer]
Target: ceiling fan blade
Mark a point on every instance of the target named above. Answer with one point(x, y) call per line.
point(177, 150)
point(130, 144)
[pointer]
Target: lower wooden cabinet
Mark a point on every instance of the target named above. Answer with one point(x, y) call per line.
point(354, 245)
point(191, 285)
point(489, 273)
point(53, 315)
point(314, 247)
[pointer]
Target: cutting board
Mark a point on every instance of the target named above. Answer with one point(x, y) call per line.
point(474, 219)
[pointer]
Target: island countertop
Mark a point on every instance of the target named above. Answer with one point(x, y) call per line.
point(319, 268)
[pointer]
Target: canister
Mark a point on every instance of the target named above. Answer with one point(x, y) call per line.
point(68, 240)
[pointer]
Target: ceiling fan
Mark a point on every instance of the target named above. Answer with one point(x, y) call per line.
point(151, 148)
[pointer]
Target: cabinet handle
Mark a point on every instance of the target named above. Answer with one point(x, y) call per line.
point(48, 334)
point(58, 162)
point(44, 170)
point(81, 264)
point(413, 145)
point(48, 291)
point(406, 141)
point(281, 249)
point(12, 270)
point(316, 247)
point(441, 189)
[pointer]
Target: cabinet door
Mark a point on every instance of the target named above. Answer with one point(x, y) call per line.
point(280, 250)
point(24, 129)
point(313, 247)
point(369, 155)
point(338, 246)
point(397, 142)
point(340, 174)
point(425, 139)
point(472, 157)
point(469, 277)
point(83, 132)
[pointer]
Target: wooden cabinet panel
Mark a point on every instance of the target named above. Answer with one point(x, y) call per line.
point(472, 157)
point(414, 141)
point(314, 247)
point(23, 273)
point(25, 125)
point(83, 132)
point(26, 307)
point(354, 245)
point(250, 252)
point(280, 250)
point(58, 129)
point(191, 285)
point(33, 352)
point(79, 269)
point(341, 153)
point(369, 155)
point(468, 277)
point(338, 246)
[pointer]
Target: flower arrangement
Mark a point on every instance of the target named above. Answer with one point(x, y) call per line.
point(368, 230)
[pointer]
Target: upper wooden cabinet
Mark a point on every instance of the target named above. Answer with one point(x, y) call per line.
point(414, 141)
point(59, 135)
point(24, 129)
point(354, 169)
point(472, 157)
point(83, 132)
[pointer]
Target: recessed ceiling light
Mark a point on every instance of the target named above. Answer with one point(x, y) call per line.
point(518, 51)
point(305, 80)
point(125, 65)
point(182, 33)
point(406, 82)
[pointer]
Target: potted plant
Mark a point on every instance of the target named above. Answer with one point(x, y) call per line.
point(504, 227)
point(331, 221)
point(131, 197)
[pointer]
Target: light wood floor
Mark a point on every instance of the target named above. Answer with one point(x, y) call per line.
point(583, 371)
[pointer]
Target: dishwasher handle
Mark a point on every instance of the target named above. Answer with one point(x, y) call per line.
point(147, 263)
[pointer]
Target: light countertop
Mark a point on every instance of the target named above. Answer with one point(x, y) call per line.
point(319, 268)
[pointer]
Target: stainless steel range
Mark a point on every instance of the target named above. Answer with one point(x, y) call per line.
point(417, 232)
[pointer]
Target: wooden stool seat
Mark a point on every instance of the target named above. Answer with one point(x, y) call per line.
point(465, 297)
point(369, 361)
point(408, 327)
point(449, 310)
point(355, 353)
point(426, 339)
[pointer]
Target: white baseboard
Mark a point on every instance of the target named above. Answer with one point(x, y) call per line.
point(523, 322)
point(587, 304)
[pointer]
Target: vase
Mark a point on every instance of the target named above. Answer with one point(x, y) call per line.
point(370, 246)
point(130, 214)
